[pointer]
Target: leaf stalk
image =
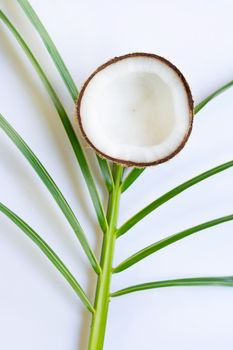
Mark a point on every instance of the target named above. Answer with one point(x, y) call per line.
point(98, 327)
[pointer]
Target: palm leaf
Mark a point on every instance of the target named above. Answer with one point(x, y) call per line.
point(51, 255)
point(61, 67)
point(167, 241)
point(167, 196)
point(52, 187)
point(66, 123)
point(225, 281)
point(63, 71)
point(209, 98)
point(130, 178)
point(106, 172)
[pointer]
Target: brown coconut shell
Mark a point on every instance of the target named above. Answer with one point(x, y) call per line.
point(128, 163)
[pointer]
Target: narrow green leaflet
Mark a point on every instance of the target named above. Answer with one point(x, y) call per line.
point(51, 255)
point(212, 96)
point(62, 70)
point(225, 281)
point(106, 172)
point(66, 123)
point(52, 187)
point(61, 67)
point(167, 196)
point(129, 180)
point(167, 241)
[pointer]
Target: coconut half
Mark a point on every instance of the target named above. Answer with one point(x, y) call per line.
point(136, 110)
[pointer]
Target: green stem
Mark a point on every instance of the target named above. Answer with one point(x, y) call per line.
point(99, 320)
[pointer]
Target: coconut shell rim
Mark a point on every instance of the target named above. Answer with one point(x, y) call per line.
point(129, 163)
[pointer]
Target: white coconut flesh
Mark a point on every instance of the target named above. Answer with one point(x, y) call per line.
point(136, 110)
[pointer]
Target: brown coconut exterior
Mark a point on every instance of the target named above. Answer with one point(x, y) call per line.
point(128, 163)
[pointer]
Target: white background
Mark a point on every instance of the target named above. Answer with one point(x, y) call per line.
point(38, 310)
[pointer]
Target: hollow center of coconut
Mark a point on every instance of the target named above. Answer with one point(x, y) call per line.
point(136, 110)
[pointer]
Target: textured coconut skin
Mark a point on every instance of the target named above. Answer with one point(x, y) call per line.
point(128, 163)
